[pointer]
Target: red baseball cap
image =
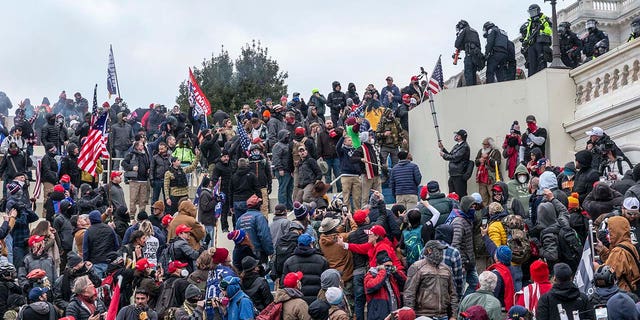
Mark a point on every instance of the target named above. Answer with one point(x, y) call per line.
point(58, 188)
point(115, 174)
point(378, 230)
point(182, 228)
point(360, 216)
point(166, 220)
point(291, 279)
point(144, 264)
point(65, 178)
point(35, 239)
point(175, 265)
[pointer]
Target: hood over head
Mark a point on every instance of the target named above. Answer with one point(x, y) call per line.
point(444, 232)
point(584, 157)
point(187, 208)
point(284, 136)
point(548, 180)
point(619, 229)
point(537, 152)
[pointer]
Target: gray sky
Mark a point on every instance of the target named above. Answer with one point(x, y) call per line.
point(55, 45)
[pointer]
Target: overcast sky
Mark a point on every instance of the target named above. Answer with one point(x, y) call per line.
point(55, 45)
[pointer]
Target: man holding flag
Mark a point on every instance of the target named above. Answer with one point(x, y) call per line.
point(197, 100)
point(95, 145)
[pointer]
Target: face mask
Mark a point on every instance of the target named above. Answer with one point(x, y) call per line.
point(184, 273)
point(532, 126)
point(66, 185)
point(224, 301)
point(13, 152)
point(522, 178)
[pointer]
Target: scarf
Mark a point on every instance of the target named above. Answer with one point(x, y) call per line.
point(189, 307)
point(393, 302)
point(87, 304)
point(507, 282)
point(483, 174)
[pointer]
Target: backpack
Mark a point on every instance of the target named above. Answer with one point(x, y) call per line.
point(412, 240)
point(296, 145)
point(272, 312)
point(283, 251)
point(166, 300)
point(166, 256)
point(517, 238)
point(569, 245)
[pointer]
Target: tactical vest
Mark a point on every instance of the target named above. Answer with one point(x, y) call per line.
point(179, 178)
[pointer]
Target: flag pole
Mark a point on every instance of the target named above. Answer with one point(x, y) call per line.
point(115, 72)
point(593, 255)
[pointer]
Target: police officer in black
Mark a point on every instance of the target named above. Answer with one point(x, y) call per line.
point(508, 68)
point(635, 30)
point(570, 46)
point(592, 45)
point(537, 40)
point(495, 51)
point(467, 40)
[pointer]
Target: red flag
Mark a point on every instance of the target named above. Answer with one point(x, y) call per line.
point(197, 99)
point(115, 301)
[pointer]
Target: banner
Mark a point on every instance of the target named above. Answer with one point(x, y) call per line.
point(197, 99)
point(112, 78)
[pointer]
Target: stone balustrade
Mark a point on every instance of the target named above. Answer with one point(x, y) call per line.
point(604, 75)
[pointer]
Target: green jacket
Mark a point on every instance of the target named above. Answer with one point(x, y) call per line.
point(517, 190)
point(544, 30)
point(485, 299)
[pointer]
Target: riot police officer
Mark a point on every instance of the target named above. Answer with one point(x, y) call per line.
point(495, 50)
point(594, 37)
point(467, 40)
point(538, 40)
point(570, 46)
point(635, 30)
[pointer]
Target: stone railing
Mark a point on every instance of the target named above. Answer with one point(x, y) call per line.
point(601, 5)
point(613, 71)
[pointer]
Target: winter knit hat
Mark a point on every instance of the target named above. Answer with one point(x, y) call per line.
point(13, 188)
point(477, 197)
point(573, 201)
point(334, 295)
point(220, 255)
point(539, 271)
point(237, 236)
point(305, 240)
point(300, 210)
point(503, 254)
point(562, 272)
point(466, 202)
point(621, 306)
point(517, 312)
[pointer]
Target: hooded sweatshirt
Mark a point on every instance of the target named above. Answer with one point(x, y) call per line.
point(602, 200)
point(586, 175)
point(621, 307)
point(187, 215)
point(621, 252)
point(519, 190)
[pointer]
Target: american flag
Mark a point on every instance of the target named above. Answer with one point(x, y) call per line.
point(38, 188)
point(245, 142)
point(436, 82)
point(220, 198)
point(112, 82)
point(95, 144)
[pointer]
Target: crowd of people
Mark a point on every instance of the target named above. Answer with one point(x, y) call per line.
point(354, 233)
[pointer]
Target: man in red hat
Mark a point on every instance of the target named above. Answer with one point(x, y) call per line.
point(116, 193)
point(37, 258)
point(173, 288)
point(377, 241)
point(291, 297)
point(181, 249)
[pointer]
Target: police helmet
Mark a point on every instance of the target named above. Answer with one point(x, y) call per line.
point(635, 25)
point(523, 29)
point(591, 24)
point(604, 277)
point(564, 27)
point(7, 270)
point(488, 25)
point(534, 10)
point(461, 25)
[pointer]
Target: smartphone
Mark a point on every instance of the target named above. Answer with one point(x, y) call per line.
point(485, 221)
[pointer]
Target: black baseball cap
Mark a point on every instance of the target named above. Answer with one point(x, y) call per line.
point(461, 132)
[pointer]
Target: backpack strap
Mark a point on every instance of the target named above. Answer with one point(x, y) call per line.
point(624, 276)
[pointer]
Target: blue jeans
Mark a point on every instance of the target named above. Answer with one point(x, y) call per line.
point(18, 256)
point(334, 165)
point(516, 274)
point(211, 231)
point(157, 186)
point(471, 277)
point(100, 269)
point(359, 298)
point(285, 190)
point(8, 241)
point(239, 208)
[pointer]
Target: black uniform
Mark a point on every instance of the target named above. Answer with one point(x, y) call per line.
point(538, 43)
point(570, 49)
point(468, 41)
point(496, 51)
point(589, 43)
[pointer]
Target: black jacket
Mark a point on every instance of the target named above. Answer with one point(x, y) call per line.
point(49, 207)
point(69, 165)
point(12, 164)
point(458, 158)
point(336, 100)
point(568, 295)
point(586, 176)
point(496, 41)
point(210, 149)
point(308, 261)
point(602, 200)
point(327, 145)
point(64, 229)
point(243, 185)
point(63, 285)
point(40, 310)
point(159, 165)
point(53, 133)
point(282, 153)
point(100, 240)
point(49, 169)
point(468, 41)
point(258, 289)
point(223, 171)
point(308, 172)
point(78, 311)
point(140, 159)
point(261, 167)
point(206, 207)
point(358, 155)
point(346, 154)
point(358, 236)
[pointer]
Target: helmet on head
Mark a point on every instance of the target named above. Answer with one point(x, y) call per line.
point(488, 25)
point(591, 24)
point(564, 27)
point(523, 29)
point(7, 270)
point(635, 25)
point(461, 25)
point(534, 10)
point(604, 277)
